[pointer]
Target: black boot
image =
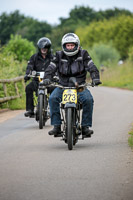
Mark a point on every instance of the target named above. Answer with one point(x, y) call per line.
point(86, 132)
point(29, 113)
point(56, 131)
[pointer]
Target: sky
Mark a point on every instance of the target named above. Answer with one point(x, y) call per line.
point(51, 10)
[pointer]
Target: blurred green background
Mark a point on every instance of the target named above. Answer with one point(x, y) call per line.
point(107, 35)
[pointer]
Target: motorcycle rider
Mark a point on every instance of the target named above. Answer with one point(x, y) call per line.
point(72, 61)
point(39, 63)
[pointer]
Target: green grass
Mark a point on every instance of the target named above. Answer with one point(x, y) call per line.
point(15, 104)
point(120, 76)
point(130, 139)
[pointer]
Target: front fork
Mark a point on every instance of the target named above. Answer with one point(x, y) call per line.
point(74, 122)
point(39, 92)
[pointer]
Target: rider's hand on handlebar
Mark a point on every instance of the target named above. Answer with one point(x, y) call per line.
point(96, 82)
point(46, 82)
point(26, 78)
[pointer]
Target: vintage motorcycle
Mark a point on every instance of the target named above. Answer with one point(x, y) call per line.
point(71, 109)
point(40, 100)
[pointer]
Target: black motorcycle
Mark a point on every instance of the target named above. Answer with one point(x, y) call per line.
point(71, 109)
point(40, 98)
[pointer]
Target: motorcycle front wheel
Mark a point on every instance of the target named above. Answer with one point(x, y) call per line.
point(45, 110)
point(40, 101)
point(69, 128)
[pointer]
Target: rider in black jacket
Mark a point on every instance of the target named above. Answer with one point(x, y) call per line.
point(72, 62)
point(39, 63)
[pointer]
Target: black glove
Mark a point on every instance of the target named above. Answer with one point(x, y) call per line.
point(96, 82)
point(26, 78)
point(55, 79)
point(46, 82)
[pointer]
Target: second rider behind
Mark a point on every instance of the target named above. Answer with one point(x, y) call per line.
point(39, 63)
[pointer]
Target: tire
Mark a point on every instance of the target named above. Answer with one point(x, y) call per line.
point(75, 122)
point(69, 125)
point(44, 110)
point(40, 101)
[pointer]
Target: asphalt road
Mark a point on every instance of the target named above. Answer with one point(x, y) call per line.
point(36, 166)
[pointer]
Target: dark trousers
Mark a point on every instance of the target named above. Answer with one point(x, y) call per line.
point(85, 98)
point(30, 88)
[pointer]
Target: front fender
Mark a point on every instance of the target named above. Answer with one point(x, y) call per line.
point(70, 105)
point(41, 91)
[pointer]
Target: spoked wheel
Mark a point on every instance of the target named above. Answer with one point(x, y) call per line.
point(40, 101)
point(69, 125)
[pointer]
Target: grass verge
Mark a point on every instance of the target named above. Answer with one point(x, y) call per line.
point(130, 139)
point(120, 76)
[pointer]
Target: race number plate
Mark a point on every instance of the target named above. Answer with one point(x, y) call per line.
point(69, 95)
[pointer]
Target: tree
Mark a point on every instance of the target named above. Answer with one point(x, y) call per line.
point(130, 53)
point(118, 30)
point(81, 17)
point(16, 23)
point(20, 48)
point(33, 30)
point(104, 54)
point(109, 13)
point(9, 24)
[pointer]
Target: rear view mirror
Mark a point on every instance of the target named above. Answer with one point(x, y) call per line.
point(33, 73)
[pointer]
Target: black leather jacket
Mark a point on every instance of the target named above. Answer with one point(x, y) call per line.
point(38, 63)
point(72, 66)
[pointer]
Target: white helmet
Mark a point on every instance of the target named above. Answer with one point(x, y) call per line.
point(70, 38)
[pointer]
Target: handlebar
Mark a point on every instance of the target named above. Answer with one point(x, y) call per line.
point(39, 75)
point(67, 87)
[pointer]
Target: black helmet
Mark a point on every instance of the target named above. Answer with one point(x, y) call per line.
point(44, 43)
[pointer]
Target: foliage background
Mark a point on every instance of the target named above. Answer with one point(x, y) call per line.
point(107, 35)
